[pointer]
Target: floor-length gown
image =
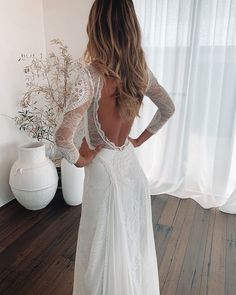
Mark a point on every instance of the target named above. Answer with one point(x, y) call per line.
point(115, 252)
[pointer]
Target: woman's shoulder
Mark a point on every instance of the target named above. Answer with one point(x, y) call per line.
point(88, 73)
point(81, 67)
point(82, 85)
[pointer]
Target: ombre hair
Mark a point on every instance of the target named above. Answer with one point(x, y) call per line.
point(114, 49)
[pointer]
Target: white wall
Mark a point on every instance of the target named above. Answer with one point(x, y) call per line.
point(21, 31)
point(27, 26)
point(67, 20)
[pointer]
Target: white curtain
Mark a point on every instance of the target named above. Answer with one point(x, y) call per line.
point(191, 47)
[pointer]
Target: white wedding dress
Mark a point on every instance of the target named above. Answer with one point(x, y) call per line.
point(115, 253)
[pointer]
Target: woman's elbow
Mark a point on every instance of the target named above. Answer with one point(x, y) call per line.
point(172, 108)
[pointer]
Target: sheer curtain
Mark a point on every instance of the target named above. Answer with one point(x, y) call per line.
point(190, 45)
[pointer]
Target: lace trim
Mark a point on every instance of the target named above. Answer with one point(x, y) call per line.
point(86, 131)
point(82, 89)
point(98, 125)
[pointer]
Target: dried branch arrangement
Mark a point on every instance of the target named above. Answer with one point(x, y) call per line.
point(49, 83)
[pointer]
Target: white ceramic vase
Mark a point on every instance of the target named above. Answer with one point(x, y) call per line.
point(72, 181)
point(33, 177)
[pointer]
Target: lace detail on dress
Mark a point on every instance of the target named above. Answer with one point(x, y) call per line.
point(98, 125)
point(79, 134)
point(162, 100)
point(82, 90)
point(81, 114)
point(72, 121)
point(64, 136)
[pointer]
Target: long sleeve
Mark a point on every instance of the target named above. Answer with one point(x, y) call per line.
point(162, 100)
point(80, 100)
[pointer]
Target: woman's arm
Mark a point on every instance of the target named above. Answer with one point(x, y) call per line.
point(65, 134)
point(166, 108)
point(81, 98)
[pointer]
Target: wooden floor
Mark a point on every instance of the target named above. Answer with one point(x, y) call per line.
point(196, 248)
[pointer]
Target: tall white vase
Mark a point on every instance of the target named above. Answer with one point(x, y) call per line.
point(72, 181)
point(33, 177)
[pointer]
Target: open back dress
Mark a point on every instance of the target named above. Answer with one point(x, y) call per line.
point(115, 252)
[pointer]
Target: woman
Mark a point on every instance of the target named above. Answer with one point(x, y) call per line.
point(115, 251)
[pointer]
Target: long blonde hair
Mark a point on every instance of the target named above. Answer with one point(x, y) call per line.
point(114, 49)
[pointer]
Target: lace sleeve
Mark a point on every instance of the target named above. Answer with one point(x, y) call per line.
point(162, 100)
point(81, 98)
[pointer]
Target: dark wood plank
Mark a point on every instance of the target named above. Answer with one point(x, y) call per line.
point(216, 269)
point(163, 229)
point(162, 235)
point(158, 203)
point(41, 237)
point(171, 263)
point(190, 274)
point(207, 254)
point(168, 213)
point(64, 282)
point(40, 264)
point(48, 280)
point(8, 211)
point(230, 282)
point(40, 247)
point(22, 221)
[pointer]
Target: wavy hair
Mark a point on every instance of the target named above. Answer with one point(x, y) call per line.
point(114, 49)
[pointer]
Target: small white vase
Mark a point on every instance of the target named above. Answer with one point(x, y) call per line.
point(33, 177)
point(72, 181)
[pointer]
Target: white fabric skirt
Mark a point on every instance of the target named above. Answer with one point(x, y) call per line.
point(115, 252)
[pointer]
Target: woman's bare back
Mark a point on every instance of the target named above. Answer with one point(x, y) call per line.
point(101, 107)
point(115, 129)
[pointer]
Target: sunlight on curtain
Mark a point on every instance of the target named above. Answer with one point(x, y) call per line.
point(191, 47)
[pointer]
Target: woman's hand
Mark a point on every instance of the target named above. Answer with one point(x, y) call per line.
point(86, 154)
point(134, 141)
point(145, 135)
